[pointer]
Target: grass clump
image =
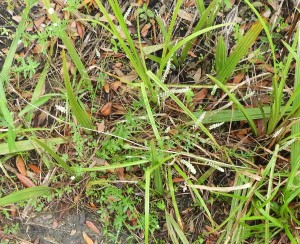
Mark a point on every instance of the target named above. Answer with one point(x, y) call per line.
point(173, 124)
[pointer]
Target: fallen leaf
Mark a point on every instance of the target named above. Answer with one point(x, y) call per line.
point(120, 173)
point(92, 227)
point(106, 109)
point(101, 126)
point(73, 232)
point(145, 29)
point(25, 181)
point(115, 85)
point(87, 239)
point(34, 168)
point(176, 180)
point(21, 165)
point(55, 224)
point(199, 96)
point(77, 198)
point(80, 29)
point(13, 210)
point(132, 76)
point(106, 87)
point(238, 78)
point(185, 15)
point(39, 21)
point(104, 19)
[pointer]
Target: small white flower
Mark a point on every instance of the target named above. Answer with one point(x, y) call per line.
point(167, 71)
point(127, 12)
point(211, 164)
point(199, 120)
point(61, 108)
point(72, 177)
point(51, 11)
point(213, 92)
point(276, 133)
point(189, 166)
point(287, 144)
point(55, 24)
point(250, 94)
point(214, 126)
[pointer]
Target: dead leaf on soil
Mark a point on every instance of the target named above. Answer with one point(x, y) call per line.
point(106, 87)
point(87, 239)
point(93, 227)
point(120, 173)
point(145, 29)
point(101, 126)
point(25, 181)
point(106, 109)
point(238, 78)
point(34, 168)
point(115, 85)
point(39, 21)
point(185, 15)
point(21, 165)
point(199, 96)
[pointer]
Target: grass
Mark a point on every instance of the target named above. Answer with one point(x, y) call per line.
point(211, 158)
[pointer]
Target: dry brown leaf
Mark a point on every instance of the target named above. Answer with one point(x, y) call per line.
point(87, 239)
point(104, 19)
point(17, 18)
point(109, 170)
point(39, 21)
point(13, 210)
point(185, 15)
point(238, 78)
point(118, 109)
point(55, 224)
point(176, 180)
point(106, 87)
point(25, 181)
point(34, 168)
point(21, 165)
point(132, 76)
point(115, 85)
point(199, 96)
point(192, 54)
point(80, 29)
point(92, 227)
point(101, 126)
point(77, 198)
point(145, 29)
point(120, 173)
point(106, 109)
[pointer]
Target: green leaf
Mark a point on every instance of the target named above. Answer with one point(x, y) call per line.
point(240, 51)
point(79, 113)
point(221, 54)
point(25, 194)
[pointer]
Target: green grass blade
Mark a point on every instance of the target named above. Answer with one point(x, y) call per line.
point(236, 102)
point(35, 104)
point(211, 10)
point(79, 113)
point(25, 194)
point(147, 204)
point(177, 229)
point(229, 115)
point(53, 154)
point(27, 145)
point(69, 45)
point(221, 54)
point(239, 52)
point(174, 202)
point(157, 172)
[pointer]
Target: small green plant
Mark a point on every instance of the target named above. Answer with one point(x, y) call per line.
point(27, 67)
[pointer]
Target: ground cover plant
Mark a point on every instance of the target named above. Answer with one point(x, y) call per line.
point(166, 121)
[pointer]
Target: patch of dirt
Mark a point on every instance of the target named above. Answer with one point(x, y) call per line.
point(46, 228)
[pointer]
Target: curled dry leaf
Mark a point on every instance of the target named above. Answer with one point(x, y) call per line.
point(25, 181)
point(185, 15)
point(92, 227)
point(106, 87)
point(80, 29)
point(145, 29)
point(106, 109)
point(87, 239)
point(21, 165)
point(115, 85)
point(34, 168)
